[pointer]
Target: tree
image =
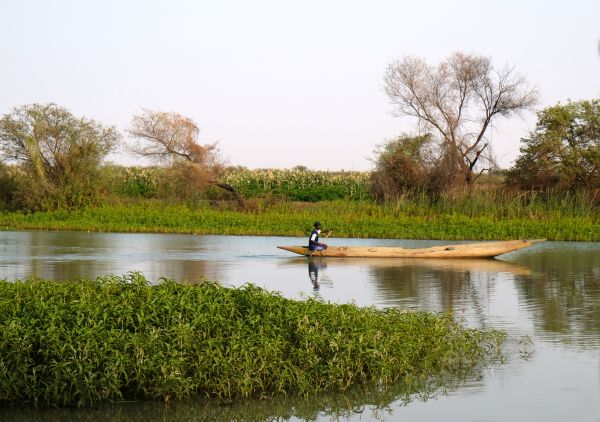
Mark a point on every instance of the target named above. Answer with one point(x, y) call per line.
point(59, 153)
point(563, 151)
point(457, 101)
point(172, 139)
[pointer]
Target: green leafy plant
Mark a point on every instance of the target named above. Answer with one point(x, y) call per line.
point(81, 342)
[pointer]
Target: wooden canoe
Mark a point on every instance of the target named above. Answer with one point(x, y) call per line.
point(467, 250)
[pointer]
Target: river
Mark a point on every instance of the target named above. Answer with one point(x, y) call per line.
point(546, 297)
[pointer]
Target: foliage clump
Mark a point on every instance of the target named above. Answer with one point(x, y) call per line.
point(404, 165)
point(563, 153)
point(172, 139)
point(82, 342)
point(56, 156)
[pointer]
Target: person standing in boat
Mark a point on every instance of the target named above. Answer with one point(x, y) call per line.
point(313, 240)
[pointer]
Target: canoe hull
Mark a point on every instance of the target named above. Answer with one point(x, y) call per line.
point(468, 250)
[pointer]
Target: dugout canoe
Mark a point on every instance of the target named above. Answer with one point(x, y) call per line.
point(467, 250)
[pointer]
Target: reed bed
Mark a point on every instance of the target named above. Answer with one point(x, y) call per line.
point(83, 342)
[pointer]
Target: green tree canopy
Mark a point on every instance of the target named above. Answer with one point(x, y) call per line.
point(564, 150)
point(58, 153)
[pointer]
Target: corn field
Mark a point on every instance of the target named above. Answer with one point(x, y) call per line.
point(298, 185)
point(301, 185)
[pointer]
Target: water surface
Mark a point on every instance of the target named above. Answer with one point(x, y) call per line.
point(549, 293)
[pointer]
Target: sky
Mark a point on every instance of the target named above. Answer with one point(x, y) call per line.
point(283, 83)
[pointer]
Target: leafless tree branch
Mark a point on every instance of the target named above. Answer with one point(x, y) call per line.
point(459, 99)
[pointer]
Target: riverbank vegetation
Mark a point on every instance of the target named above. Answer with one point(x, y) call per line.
point(484, 217)
point(53, 178)
point(82, 342)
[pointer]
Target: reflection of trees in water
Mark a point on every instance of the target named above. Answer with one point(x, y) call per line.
point(559, 287)
point(564, 293)
point(411, 282)
point(433, 287)
point(373, 402)
point(65, 255)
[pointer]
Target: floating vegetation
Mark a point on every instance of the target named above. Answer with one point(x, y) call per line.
point(347, 218)
point(82, 342)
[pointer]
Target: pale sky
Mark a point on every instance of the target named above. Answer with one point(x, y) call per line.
point(283, 83)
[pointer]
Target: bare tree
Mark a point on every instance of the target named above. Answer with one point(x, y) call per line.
point(170, 138)
point(456, 101)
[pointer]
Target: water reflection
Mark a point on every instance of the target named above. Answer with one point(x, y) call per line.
point(360, 403)
point(440, 284)
point(67, 255)
point(564, 297)
point(314, 265)
point(550, 292)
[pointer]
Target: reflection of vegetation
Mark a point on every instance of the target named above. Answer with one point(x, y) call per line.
point(421, 282)
point(559, 287)
point(369, 400)
point(83, 342)
point(565, 294)
point(448, 283)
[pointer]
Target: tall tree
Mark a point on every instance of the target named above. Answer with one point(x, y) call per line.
point(58, 152)
point(564, 149)
point(456, 102)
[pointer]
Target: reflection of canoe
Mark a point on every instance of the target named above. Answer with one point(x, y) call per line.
point(469, 250)
point(445, 264)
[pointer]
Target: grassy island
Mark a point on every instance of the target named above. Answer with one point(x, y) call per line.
point(83, 342)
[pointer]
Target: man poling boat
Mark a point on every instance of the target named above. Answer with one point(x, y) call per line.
point(313, 240)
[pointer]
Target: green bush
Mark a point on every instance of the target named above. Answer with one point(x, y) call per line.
point(563, 153)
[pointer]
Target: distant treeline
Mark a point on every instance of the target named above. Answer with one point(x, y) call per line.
point(50, 159)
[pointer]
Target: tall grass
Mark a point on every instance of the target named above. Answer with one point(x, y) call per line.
point(82, 342)
point(507, 203)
